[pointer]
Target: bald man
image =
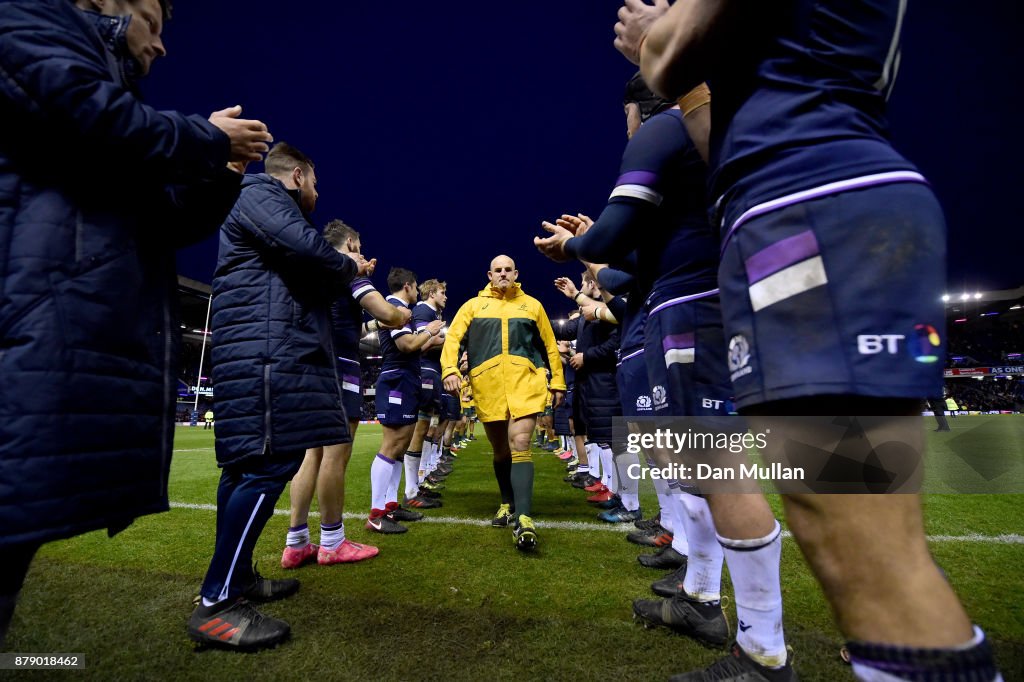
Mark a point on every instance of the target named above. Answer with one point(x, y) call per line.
point(511, 347)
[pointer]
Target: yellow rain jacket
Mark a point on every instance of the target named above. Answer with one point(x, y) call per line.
point(510, 342)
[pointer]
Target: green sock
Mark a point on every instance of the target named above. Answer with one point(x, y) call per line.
point(522, 487)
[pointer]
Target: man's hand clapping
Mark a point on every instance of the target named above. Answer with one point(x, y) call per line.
point(250, 139)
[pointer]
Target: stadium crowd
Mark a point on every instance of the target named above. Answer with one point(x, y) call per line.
point(987, 394)
point(677, 316)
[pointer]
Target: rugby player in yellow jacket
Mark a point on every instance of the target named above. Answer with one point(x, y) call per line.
point(510, 342)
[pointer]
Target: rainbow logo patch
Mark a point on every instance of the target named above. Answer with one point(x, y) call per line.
point(926, 343)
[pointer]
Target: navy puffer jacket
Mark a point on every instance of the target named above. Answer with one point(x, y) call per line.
point(96, 189)
point(596, 390)
point(275, 388)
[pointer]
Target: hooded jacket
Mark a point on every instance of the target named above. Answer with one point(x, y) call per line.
point(510, 344)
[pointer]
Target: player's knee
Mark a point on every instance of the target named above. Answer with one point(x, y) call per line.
point(521, 456)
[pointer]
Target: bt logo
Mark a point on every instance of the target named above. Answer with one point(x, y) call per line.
point(872, 344)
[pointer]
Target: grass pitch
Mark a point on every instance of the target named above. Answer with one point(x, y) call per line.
point(452, 599)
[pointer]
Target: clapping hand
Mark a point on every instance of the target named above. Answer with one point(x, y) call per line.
point(249, 138)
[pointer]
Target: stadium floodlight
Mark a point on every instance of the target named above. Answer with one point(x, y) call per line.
point(964, 297)
point(977, 295)
point(945, 297)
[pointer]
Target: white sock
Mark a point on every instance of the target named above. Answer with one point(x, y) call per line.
point(394, 482)
point(427, 461)
point(423, 470)
point(754, 568)
point(669, 518)
point(680, 542)
point(298, 537)
point(661, 489)
point(629, 487)
point(607, 469)
point(412, 468)
point(331, 537)
point(703, 580)
point(594, 459)
point(380, 478)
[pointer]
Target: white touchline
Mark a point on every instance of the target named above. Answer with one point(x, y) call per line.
point(1006, 539)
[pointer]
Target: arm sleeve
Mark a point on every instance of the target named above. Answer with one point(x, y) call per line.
point(276, 221)
point(57, 92)
point(453, 340)
point(615, 281)
point(362, 286)
point(618, 308)
point(636, 197)
point(547, 336)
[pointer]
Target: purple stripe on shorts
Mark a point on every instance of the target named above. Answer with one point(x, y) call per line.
point(394, 394)
point(677, 341)
point(386, 459)
point(630, 356)
point(839, 187)
point(646, 178)
point(349, 379)
point(682, 299)
point(781, 255)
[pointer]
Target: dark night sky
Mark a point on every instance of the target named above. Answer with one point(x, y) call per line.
point(445, 132)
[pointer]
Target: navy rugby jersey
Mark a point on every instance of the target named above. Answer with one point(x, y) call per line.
point(394, 358)
point(422, 315)
point(658, 208)
point(799, 99)
point(347, 319)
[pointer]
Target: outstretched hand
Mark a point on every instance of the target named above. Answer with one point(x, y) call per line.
point(363, 266)
point(554, 246)
point(565, 285)
point(577, 224)
point(249, 138)
point(635, 20)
